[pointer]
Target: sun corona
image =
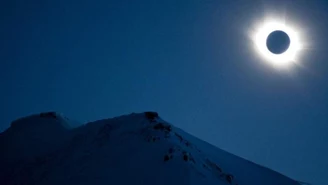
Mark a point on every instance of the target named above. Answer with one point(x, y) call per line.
point(283, 59)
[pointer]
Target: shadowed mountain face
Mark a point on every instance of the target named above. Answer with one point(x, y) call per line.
point(132, 149)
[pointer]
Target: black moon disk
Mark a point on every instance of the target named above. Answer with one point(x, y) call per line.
point(278, 42)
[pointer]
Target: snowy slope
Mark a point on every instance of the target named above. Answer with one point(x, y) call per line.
point(132, 149)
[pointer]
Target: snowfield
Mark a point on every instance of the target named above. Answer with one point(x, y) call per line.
point(135, 149)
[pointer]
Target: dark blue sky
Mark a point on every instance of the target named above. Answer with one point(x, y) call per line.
point(191, 61)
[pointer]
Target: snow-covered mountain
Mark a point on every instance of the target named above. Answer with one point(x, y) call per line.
point(138, 149)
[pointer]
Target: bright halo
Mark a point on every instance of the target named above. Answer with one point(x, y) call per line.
point(285, 58)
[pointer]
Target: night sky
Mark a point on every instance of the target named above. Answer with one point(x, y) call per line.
point(191, 61)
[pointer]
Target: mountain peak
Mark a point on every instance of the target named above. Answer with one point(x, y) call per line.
point(41, 118)
point(135, 149)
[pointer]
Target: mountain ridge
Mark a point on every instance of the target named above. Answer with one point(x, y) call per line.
point(139, 148)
